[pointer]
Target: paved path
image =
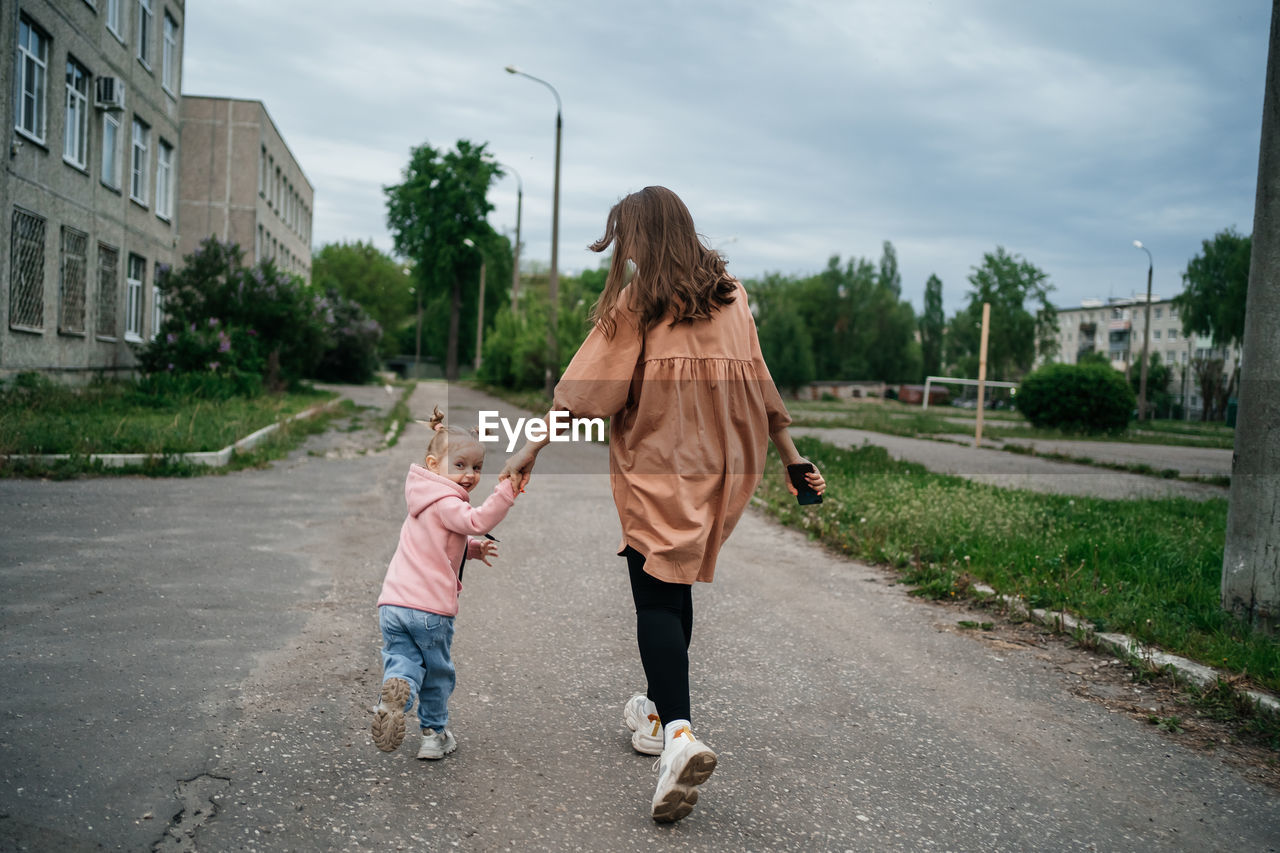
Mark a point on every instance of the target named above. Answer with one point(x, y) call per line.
point(208, 649)
point(1017, 471)
point(1187, 461)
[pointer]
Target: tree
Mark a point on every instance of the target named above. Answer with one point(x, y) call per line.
point(1214, 287)
point(372, 279)
point(889, 277)
point(932, 323)
point(1158, 375)
point(1017, 335)
point(787, 347)
point(441, 202)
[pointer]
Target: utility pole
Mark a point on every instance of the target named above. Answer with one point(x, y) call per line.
point(1251, 558)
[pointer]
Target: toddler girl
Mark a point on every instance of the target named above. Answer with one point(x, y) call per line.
point(419, 598)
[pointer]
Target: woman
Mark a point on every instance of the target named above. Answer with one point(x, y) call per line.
point(674, 361)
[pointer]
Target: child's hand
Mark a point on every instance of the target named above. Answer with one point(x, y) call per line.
point(488, 548)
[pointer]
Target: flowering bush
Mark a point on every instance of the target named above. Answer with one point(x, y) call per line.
point(352, 352)
point(222, 317)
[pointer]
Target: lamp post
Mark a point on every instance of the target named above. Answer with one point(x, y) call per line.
point(1146, 336)
point(515, 262)
point(553, 283)
point(479, 305)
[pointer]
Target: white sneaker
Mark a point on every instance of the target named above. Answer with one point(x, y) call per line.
point(641, 716)
point(388, 714)
point(436, 744)
point(685, 763)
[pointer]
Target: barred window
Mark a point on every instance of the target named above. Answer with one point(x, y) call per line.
point(75, 247)
point(26, 271)
point(133, 299)
point(108, 289)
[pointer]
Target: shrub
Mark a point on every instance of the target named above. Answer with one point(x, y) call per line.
point(352, 353)
point(222, 317)
point(1088, 398)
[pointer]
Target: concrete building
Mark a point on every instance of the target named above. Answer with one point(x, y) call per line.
point(1115, 327)
point(241, 183)
point(89, 91)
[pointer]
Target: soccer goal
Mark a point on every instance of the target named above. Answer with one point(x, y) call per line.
point(953, 380)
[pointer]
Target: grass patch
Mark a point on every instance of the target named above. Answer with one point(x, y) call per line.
point(898, 419)
point(42, 417)
point(1148, 568)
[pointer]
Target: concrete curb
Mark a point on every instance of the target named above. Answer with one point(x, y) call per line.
point(209, 458)
point(1126, 647)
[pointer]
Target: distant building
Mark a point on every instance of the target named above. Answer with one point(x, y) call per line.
point(1115, 328)
point(241, 183)
point(90, 98)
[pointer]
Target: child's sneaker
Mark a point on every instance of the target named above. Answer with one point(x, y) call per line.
point(641, 716)
point(388, 716)
point(685, 763)
point(436, 744)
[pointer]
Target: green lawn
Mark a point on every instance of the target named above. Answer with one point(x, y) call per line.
point(1147, 568)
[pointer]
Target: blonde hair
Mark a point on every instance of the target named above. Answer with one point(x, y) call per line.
point(439, 444)
point(676, 275)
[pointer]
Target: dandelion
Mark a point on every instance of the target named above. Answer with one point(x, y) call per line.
point(864, 519)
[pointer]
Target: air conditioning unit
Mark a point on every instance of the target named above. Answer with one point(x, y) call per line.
point(109, 93)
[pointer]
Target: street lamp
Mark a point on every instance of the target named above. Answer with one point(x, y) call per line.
point(515, 263)
point(553, 284)
point(467, 241)
point(1146, 336)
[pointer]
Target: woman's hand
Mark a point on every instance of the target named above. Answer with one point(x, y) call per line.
point(519, 467)
point(813, 477)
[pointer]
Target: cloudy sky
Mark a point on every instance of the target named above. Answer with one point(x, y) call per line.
point(794, 129)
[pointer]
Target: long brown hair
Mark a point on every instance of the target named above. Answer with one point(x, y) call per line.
point(676, 275)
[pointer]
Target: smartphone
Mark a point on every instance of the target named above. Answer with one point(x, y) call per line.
point(806, 493)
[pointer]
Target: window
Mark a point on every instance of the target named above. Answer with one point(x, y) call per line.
point(1170, 356)
point(169, 59)
point(1156, 334)
point(257, 245)
point(164, 181)
point(138, 161)
point(108, 278)
point(75, 248)
point(133, 299)
point(262, 172)
point(32, 68)
point(1158, 312)
point(115, 21)
point(145, 19)
point(111, 150)
point(157, 310)
point(26, 271)
point(1173, 313)
point(75, 137)
point(1183, 357)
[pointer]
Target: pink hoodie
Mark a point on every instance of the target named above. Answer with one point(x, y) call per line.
point(423, 573)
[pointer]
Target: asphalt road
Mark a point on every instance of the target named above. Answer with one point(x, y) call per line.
point(189, 664)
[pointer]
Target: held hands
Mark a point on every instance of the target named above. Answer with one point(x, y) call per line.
point(488, 548)
point(519, 468)
point(814, 477)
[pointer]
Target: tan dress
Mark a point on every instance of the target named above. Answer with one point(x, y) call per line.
point(692, 407)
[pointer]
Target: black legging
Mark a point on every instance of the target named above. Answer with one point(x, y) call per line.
point(664, 626)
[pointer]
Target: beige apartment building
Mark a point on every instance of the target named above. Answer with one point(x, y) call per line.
point(89, 94)
point(241, 183)
point(1115, 327)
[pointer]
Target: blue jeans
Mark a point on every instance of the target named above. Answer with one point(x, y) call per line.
point(415, 647)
